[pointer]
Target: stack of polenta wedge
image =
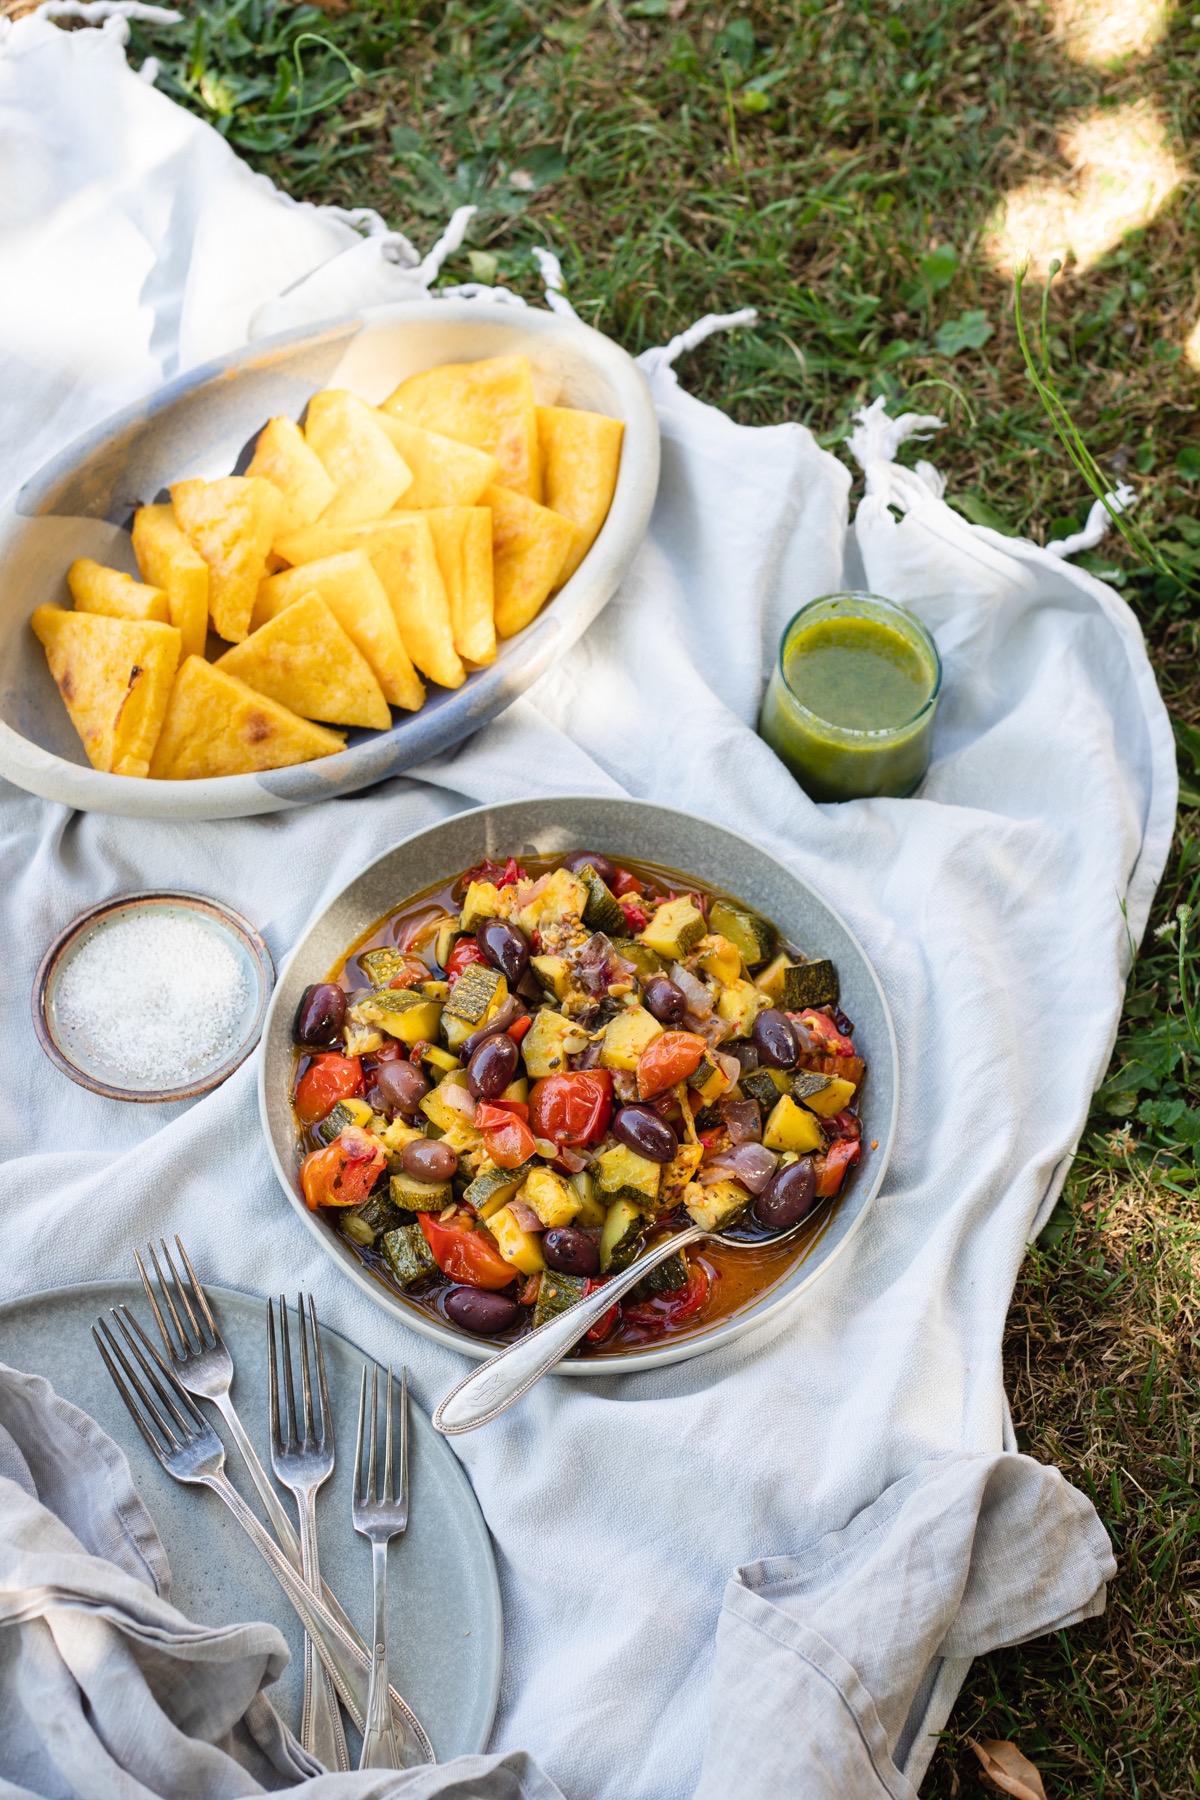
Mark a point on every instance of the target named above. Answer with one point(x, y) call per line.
point(374, 547)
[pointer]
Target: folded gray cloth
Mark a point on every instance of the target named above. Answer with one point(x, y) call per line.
point(825, 1670)
point(106, 1691)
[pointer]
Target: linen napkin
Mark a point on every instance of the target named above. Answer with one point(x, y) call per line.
point(997, 906)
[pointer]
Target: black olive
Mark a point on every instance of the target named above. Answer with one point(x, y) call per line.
point(320, 1015)
point(603, 866)
point(492, 1067)
point(787, 1196)
point(775, 1040)
point(643, 1130)
point(402, 1085)
point(506, 948)
point(667, 1002)
point(571, 1252)
point(427, 1160)
point(477, 1310)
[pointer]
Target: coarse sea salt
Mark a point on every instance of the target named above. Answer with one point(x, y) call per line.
point(155, 996)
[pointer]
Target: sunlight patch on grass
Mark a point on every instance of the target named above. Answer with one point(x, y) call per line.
point(1100, 32)
point(1191, 346)
point(1121, 171)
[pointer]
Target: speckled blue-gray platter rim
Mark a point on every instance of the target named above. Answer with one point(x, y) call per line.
point(444, 1618)
point(203, 424)
point(637, 829)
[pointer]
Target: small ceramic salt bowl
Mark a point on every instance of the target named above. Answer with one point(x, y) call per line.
point(153, 997)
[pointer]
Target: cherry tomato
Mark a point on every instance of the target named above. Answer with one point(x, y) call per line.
point(506, 1137)
point(506, 875)
point(625, 883)
point(660, 1310)
point(328, 1078)
point(826, 1032)
point(841, 1155)
point(670, 1058)
point(606, 1321)
point(571, 1109)
point(344, 1173)
point(844, 1124)
point(465, 952)
point(636, 916)
point(464, 1253)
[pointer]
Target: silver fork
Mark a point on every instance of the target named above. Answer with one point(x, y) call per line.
point(183, 1441)
point(200, 1362)
point(302, 1462)
point(380, 1515)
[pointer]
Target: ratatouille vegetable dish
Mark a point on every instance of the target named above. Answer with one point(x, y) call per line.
point(513, 1085)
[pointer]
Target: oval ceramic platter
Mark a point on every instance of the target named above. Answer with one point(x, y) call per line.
point(636, 829)
point(204, 424)
point(443, 1597)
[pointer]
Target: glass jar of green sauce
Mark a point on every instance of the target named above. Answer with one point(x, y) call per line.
point(850, 704)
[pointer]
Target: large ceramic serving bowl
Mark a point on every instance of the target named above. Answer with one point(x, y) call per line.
point(204, 424)
point(620, 828)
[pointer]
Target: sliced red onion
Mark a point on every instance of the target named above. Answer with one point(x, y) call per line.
point(571, 1160)
point(713, 1030)
point(591, 1056)
point(500, 1021)
point(748, 1163)
point(699, 998)
point(525, 1216)
point(729, 1066)
point(459, 1099)
point(743, 1120)
point(530, 890)
point(625, 1085)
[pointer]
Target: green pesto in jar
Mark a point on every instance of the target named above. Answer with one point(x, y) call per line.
point(851, 701)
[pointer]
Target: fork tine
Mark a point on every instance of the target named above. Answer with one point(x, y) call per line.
point(165, 1385)
point(119, 1383)
point(135, 1381)
point(293, 1438)
point(322, 1387)
point(153, 1299)
point(372, 1493)
point(404, 1437)
point(179, 1347)
point(310, 1436)
point(198, 1294)
point(126, 1319)
point(272, 1380)
point(358, 1447)
point(196, 1341)
point(387, 1441)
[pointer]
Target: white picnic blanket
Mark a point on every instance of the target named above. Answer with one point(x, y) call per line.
point(997, 907)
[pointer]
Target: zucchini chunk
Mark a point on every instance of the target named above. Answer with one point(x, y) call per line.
point(346, 1112)
point(481, 901)
point(677, 1173)
point(379, 966)
point(806, 1084)
point(555, 1294)
point(624, 1228)
point(765, 1086)
point(439, 1058)
point(647, 962)
point(709, 1080)
point(600, 912)
point(478, 991)
point(738, 1005)
point(408, 1255)
point(412, 1195)
point(676, 927)
point(563, 897)
point(523, 1249)
point(714, 1207)
point(591, 1207)
point(376, 1215)
point(665, 1278)
point(790, 1127)
point(402, 1012)
point(495, 1188)
point(626, 1036)
point(624, 1175)
point(552, 1198)
point(810, 984)
point(554, 973)
point(752, 935)
point(719, 957)
point(831, 1098)
point(548, 1042)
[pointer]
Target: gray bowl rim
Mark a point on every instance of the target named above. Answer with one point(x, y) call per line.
point(632, 1361)
point(415, 737)
point(240, 927)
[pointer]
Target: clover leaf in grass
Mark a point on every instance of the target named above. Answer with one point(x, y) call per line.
point(970, 331)
point(1187, 463)
point(938, 269)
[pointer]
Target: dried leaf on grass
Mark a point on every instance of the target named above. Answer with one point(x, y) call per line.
point(1007, 1771)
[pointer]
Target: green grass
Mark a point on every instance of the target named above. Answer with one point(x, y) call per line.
point(835, 162)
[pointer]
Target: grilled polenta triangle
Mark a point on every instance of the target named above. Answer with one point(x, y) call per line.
point(232, 523)
point(445, 473)
point(216, 725)
point(369, 473)
point(282, 457)
point(355, 596)
point(168, 561)
point(303, 659)
point(462, 539)
point(530, 545)
point(115, 679)
point(488, 404)
point(581, 453)
point(96, 589)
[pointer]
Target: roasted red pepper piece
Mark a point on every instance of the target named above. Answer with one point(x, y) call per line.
point(831, 1168)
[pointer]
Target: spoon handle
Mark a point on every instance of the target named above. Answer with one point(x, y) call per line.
point(501, 1381)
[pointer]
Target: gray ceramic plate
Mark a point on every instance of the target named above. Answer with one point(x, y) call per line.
point(82, 503)
point(631, 828)
point(444, 1624)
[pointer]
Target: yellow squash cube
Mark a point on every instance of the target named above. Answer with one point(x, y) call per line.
point(738, 1004)
point(462, 542)
point(283, 458)
point(355, 596)
point(303, 659)
point(445, 473)
point(790, 1127)
point(530, 544)
point(521, 1248)
point(95, 589)
point(168, 561)
point(232, 524)
point(368, 472)
point(216, 725)
point(581, 453)
point(489, 404)
point(716, 1206)
point(626, 1036)
point(552, 1198)
point(115, 679)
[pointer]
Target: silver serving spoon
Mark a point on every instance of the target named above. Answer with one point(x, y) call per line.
point(506, 1377)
